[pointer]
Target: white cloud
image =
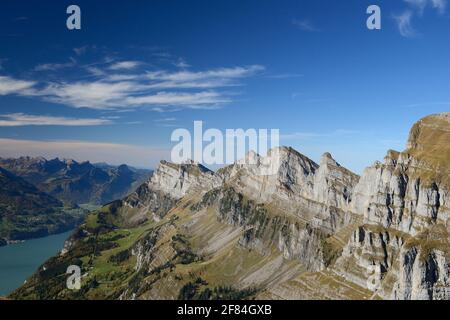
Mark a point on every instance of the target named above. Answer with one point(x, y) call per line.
point(222, 73)
point(420, 5)
point(95, 95)
point(404, 24)
point(417, 7)
point(95, 71)
point(166, 122)
point(125, 65)
point(119, 95)
point(21, 119)
point(181, 63)
point(9, 85)
point(193, 100)
point(54, 66)
point(165, 119)
point(79, 51)
point(440, 5)
point(305, 25)
point(135, 155)
point(214, 78)
point(284, 76)
point(122, 77)
point(120, 91)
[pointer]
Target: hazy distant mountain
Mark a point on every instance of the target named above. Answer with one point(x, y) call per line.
point(26, 212)
point(77, 182)
point(309, 231)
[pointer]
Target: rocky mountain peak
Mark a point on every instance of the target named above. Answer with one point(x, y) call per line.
point(327, 160)
point(391, 158)
point(428, 142)
point(178, 179)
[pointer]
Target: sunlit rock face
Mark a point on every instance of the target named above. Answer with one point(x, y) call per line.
point(179, 179)
point(405, 204)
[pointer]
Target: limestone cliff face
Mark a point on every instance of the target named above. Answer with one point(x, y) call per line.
point(169, 183)
point(394, 194)
point(395, 265)
point(333, 184)
point(177, 180)
point(291, 175)
point(295, 183)
point(294, 208)
point(405, 205)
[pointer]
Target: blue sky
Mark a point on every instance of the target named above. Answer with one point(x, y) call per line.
point(115, 90)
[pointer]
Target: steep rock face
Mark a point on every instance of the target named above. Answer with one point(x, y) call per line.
point(393, 194)
point(423, 278)
point(405, 205)
point(264, 229)
point(368, 255)
point(333, 184)
point(169, 183)
point(296, 185)
point(291, 175)
point(410, 190)
point(178, 179)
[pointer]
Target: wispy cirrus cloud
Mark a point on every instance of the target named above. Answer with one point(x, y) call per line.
point(440, 5)
point(416, 9)
point(404, 24)
point(284, 75)
point(181, 63)
point(79, 51)
point(305, 25)
point(190, 100)
point(166, 122)
point(421, 5)
point(125, 65)
point(221, 73)
point(165, 119)
point(55, 66)
point(214, 78)
point(116, 85)
point(22, 119)
point(10, 85)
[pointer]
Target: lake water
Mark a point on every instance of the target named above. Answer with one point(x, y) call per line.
point(19, 261)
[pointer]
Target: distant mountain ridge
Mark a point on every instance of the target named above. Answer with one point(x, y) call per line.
point(26, 212)
point(77, 182)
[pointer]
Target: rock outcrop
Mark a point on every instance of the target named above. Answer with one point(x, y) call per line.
point(405, 200)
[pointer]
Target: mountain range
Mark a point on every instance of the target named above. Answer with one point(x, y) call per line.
point(309, 231)
point(26, 212)
point(39, 197)
point(77, 182)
